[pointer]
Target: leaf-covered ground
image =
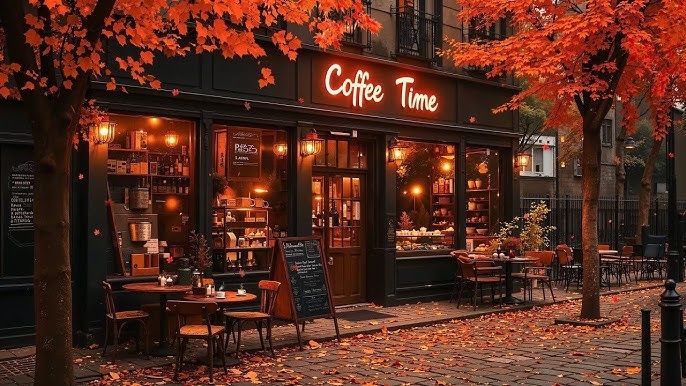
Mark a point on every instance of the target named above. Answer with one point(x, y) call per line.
point(522, 347)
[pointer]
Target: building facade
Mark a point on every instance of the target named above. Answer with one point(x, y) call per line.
point(395, 180)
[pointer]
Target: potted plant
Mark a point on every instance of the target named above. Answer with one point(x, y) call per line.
point(219, 184)
point(200, 253)
point(534, 233)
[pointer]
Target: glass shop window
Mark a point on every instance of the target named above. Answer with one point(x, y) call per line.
point(151, 175)
point(484, 204)
point(250, 193)
point(342, 154)
point(425, 198)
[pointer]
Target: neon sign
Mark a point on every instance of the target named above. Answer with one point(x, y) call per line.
point(361, 89)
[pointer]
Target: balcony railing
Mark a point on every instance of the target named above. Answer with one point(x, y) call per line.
point(418, 34)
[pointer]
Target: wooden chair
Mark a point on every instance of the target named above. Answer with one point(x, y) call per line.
point(603, 247)
point(568, 268)
point(539, 271)
point(116, 320)
point(269, 290)
point(208, 332)
point(478, 278)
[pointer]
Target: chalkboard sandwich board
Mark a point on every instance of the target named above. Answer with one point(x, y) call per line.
point(300, 266)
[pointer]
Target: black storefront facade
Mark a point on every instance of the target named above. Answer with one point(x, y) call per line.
point(395, 221)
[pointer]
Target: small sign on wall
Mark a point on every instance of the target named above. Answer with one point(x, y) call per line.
point(244, 153)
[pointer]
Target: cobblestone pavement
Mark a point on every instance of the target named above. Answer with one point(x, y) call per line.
point(89, 365)
point(518, 347)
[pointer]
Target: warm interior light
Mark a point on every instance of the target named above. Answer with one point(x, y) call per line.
point(416, 190)
point(563, 164)
point(280, 150)
point(483, 167)
point(446, 166)
point(311, 144)
point(172, 203)
point(260, 190)
point(171, 139)
point(104, 132)
point(318, 198)
point(562, 139)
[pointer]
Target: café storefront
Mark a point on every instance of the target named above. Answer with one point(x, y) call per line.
point(392, 165)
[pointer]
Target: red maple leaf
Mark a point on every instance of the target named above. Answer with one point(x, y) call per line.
point(246, 104)
point(96, 232)
point(175, 92)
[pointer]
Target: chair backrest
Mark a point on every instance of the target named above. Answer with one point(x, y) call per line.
point(467, 266)
point(110, 309)
point(270, 289)
point(183, 309)
point(627, 251)
point(603, 247)
point(653, 251)
point(564, 254)
point(545, 258)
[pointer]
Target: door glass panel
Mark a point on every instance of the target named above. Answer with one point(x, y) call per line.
point(354, 155)
point(331, 153)
point(343, 154)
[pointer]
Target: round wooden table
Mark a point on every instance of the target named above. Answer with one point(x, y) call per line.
point(507, 262)
point(231, 298)
point(162, 291)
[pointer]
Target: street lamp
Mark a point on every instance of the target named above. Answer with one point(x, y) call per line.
point(674, 262)
point(396, 151)
point(311, 144)
point(629, 143)
point(104, 132)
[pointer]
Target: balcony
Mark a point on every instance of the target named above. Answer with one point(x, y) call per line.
point(418, 34)
point(481, 36)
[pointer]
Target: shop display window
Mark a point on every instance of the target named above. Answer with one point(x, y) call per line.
point(484, 205)
point(151, 187)
point(250, 206)
point(426, 196)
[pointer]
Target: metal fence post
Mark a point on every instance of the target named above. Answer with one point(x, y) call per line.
point(670, 340)
point(567, 220)
point(646, 360)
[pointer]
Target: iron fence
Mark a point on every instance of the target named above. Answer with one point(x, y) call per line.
point(418, 34)
point(617, 219)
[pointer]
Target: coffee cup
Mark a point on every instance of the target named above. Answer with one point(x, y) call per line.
point(261, 203)
point(220, 295)
point(241, 292)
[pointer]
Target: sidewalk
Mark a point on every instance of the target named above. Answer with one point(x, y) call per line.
point(89, 365)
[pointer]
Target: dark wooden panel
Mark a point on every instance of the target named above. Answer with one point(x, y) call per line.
point(240, 75)
point(177, 71)
point(424, 271)
point(478, 100)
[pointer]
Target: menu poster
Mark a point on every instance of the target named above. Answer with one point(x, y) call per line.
point(18, 170)
point(305, 293)
point(244, 153)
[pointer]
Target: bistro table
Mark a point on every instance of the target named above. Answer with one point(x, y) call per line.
point(162, 291)
point(603, 252)
point(507, 262)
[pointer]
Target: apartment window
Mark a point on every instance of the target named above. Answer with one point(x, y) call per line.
point(577, 167)
point(543, 158)
point(606, 132)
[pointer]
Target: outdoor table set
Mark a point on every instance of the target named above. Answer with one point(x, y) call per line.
point(231, 298)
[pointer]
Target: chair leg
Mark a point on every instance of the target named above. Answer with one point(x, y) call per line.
point(552, 294)
point(258, 324)
point(459, 295)
point(210, 357)
point(222, 351)
point(107, 336)
point(269, 336)
point(179, 360)
point(476, 288)
point(238, 341)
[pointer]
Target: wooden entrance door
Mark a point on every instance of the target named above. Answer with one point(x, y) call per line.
point(339, 207)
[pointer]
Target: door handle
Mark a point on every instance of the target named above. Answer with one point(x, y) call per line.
point(330, 260)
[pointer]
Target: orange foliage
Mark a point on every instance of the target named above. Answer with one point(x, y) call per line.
point(68, 37)
point(579, 52)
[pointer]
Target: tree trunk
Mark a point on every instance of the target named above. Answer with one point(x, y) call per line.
point(620, 169)
point(52, 268)
point(590, 169)
point(646, 191)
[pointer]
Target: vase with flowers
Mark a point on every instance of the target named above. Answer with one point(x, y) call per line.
point(200, 253)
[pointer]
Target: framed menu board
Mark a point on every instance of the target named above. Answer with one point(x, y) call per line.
point(300, 266)
point(245, 153)
point(18, 170)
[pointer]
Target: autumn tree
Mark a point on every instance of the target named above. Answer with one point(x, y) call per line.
point(50, 50)
point(585, 54)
